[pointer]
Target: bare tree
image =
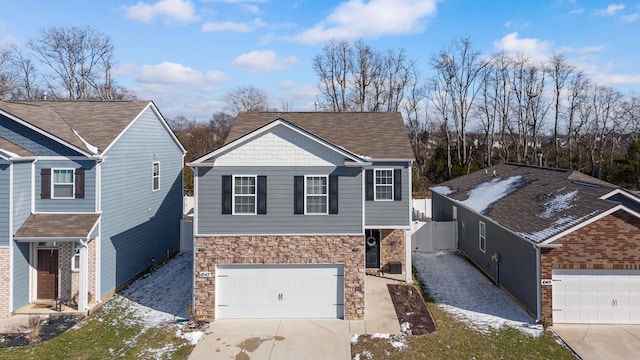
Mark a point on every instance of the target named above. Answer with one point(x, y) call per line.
point(559, 70)
point(80, 60)
point(247, 98)
point(333, 67)
point(7, 70)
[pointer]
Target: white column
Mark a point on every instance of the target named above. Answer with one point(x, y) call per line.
point(407, 256)
point(84, 278)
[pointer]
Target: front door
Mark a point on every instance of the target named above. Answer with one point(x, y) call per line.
point(372, 249)
point(47, 274)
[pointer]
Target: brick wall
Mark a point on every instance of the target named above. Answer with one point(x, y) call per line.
point(391, 247)
point(612, 242)
point(66, 278)
point(5, 283)
point(212, 250)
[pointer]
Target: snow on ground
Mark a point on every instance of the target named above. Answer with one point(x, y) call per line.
point(462, 290)
point(162, 296)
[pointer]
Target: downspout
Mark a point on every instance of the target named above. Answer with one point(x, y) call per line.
point(407, 233)
point(538, 284)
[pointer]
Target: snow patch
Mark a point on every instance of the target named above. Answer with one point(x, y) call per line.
point(557, 227)
point(487, 193)
point(91, 148)
point(442, 190)
point(354, 339)
point(380, 336)
point(558, 204)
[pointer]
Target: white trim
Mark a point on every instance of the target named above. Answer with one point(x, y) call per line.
point(33, 186)
point(259, 131)
point(375, 184)
point(482, 236)
point(620, 191)
point(589, 221)
point(73, 256)
point(98, 259)
point(70, 158)
point(280, 234)
point(196, 212)
point(387, 227)
point(364, 202)
point(46, 134)
point(153, 176)
point(10, 238)
point(326, 195)
point(98, 195)
point(233, 194)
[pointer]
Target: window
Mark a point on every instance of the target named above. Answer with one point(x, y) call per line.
point(156, 176)
point(316, 194)
point(75, 260)
point(483, 237)
point(244, 195)
point(384, 184)
point(62, 184)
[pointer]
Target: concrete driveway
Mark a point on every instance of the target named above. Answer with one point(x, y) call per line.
point(259, 339)
point(593, 342)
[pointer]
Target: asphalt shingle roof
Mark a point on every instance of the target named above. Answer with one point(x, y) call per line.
point(11, 147)
point(539, 203)
point(378, 135)
point(97, 122)
point(57, 226)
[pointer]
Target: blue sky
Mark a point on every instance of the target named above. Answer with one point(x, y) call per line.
point(186, 54)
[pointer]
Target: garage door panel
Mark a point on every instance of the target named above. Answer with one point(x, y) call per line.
point(596, 296)
point(280, 291)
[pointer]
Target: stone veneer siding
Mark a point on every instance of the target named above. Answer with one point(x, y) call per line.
point(320, 249)
point(69, 281)
point(392, 248)
point(5, 283)
point(611, 243)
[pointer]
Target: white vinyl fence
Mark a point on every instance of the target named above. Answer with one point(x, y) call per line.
point(435, 236)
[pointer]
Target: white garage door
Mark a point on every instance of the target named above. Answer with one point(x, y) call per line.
point(596, 296)
point(280, 291)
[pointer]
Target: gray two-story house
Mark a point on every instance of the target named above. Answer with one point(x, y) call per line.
point(90, 197)
point(295, 208)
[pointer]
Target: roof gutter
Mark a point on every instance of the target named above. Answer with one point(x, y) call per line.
point(54, 239)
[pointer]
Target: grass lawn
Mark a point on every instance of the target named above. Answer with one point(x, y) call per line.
point(454, 339)
point(111, 332)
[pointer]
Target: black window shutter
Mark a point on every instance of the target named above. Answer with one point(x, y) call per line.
point(79, 184)
point(226, 194)
point(368, 179)
point(397, 184)
point(262, 195)
point(298, 195)
point(333, 194)
point(45, 183)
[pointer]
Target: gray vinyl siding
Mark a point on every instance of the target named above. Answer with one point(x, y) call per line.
point(21, 193)
point(625, 200)
point(4, 204)
point(518, 270)
point(20, 275)
point(390, 213)
point(279, 218)
point(67, 205)
point(139, 226)
point(31, 140)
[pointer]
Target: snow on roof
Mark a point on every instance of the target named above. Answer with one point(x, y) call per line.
point(487, 193)
point(557, 227)
point(558, 204)
point(442, 190)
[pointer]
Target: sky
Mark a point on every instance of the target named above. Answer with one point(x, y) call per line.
point(185, 55)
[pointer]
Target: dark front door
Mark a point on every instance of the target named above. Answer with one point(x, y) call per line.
point(372, 249)
point(47, 273)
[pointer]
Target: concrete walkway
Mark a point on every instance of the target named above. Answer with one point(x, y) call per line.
point(298, 338)
point(594, 342)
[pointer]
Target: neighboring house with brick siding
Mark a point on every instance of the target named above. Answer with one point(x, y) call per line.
point(90, 197)
point(565, 245)
point(294, 208)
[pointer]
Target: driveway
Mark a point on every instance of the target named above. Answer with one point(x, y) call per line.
point(271, 339)
point(593, 342)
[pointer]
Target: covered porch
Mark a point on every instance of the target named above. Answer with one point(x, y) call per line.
point(62, 257)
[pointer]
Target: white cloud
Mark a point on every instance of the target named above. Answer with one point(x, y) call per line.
point(534, 48)
point(357, 18)
point(577, 11)
point(171, 73)
point(263, 61)
point(617, 79)
point(233, 26)
point(613, 9)
point(180, 11)
point(630, 18)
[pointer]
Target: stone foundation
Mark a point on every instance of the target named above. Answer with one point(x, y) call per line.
point(392, 248)
point(213, 250)
point(5, 283)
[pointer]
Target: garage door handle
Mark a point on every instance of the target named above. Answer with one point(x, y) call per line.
point(280, 297)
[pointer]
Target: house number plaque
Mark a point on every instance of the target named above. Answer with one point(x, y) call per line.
point(546, 282)
point(205, 274)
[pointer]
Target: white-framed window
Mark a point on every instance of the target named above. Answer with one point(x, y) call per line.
point(482, 239)
point(75, 260)
point(244, 194)
point(62, 184)
point(155, 183)
point(383, 184)
point(316, 194)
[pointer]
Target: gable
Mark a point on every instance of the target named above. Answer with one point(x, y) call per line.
point(280, 146)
